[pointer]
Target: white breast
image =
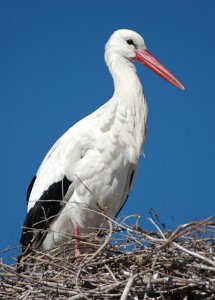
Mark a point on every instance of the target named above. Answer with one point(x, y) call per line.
point(99, 164)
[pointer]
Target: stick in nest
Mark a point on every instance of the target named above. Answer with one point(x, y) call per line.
point(129, 263)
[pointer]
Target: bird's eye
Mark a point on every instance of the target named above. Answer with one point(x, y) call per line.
point(130, 42)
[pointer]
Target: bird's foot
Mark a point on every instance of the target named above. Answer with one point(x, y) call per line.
point(77, 251)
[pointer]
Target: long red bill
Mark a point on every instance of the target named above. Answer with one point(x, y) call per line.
point(148, 60)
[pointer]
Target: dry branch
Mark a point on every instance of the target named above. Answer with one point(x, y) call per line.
point(123, 263)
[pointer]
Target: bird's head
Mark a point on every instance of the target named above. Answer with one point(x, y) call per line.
point(129, 45)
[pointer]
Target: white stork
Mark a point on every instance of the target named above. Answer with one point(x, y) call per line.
point(91, 168)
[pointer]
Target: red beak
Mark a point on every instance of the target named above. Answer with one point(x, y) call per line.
point(148, 60)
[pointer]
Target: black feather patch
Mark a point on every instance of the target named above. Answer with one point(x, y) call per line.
point(45, 209)
point(130, 182)
point(30, 188)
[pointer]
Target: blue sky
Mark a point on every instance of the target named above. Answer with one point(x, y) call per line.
point(52, 74)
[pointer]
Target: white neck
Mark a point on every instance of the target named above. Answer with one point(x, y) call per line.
point(126, 82)
point(129, 97)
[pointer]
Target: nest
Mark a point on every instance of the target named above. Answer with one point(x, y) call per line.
point(121, 262)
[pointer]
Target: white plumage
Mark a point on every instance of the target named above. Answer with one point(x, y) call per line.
point(92, 166)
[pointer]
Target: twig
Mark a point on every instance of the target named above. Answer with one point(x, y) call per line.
point(111, 273)
point(165, 265)
point(128, 287)
point(209, 261)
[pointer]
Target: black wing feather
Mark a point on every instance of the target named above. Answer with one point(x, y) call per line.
point(130, 183)
point(45, 209)
point(30, 188)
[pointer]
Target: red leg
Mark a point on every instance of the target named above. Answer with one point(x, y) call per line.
point(77, 251)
